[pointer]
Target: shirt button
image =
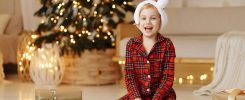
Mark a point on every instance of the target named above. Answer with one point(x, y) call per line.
point(148, 61)
point(148, 90)
point(149, 76)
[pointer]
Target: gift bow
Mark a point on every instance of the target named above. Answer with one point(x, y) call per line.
point(233, 93)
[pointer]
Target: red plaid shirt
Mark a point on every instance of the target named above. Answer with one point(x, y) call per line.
point(150, 76)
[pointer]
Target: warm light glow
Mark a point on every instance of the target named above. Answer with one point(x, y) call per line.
point(75, 6)
point(191, 81)
point(65, 30)
point(190, 77)
point(124, 2)
point(79, 7)
point(108, 33)
point(61, 13)
point(180, 80)
point(79, 35)
point(203, 77)
point(212, 69)
point(40, 49)
point(102, 20)
point(34, 36)
point(97, 29)
point(130, 3)
point(21, 68)
point(95, 12)
point(97, 35)
point(62, 27)
point(20, 63)
point(105, 37)
point(73, 41)
point(51, 70)
point(71, 36)
point(42, 21)
point(111, 12)
point(89, 33)
point(120, 62)
point(56, 68)
point(113, 6)
point(84, 19)
point(113, 44)
point(74, 2)
point(123, 62)
point(88, 0)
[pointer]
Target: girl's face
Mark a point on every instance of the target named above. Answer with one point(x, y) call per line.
point(149, 23)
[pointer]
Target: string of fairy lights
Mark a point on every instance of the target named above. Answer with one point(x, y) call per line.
point(189, 79)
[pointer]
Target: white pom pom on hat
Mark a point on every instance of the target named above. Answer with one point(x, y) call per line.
point(160, 5)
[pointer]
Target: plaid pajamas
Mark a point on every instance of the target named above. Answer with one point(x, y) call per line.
point(151, 76)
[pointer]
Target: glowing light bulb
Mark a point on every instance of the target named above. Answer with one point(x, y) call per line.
point(212, 69)
point(42, 21)
point(97, 35)
point(21, 68)
point(113, 6)
point(124, 2)
point(71, 36)
point(102, 20)
point(180, 80)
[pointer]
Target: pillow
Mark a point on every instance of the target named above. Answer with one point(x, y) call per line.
point(204, 3)
point(175, 4)
point(4, 18)
point(14, 26)
point(234, 3)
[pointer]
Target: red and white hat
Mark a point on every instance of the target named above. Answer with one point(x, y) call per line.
point(160, 6)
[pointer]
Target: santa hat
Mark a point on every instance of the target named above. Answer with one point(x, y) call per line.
point(160, 6)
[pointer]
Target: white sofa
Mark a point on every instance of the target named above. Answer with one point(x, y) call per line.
point(11, 31)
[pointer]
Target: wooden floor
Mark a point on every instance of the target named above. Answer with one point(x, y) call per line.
point(13, 89)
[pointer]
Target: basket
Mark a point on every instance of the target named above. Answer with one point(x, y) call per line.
point(91, 68)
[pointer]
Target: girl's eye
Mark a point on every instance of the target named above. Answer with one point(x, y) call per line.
point(143, 18)
point(154, 18)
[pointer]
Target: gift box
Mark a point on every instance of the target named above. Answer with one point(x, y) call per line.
point(234, 94)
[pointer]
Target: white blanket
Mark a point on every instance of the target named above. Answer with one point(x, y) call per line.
point(229, 64)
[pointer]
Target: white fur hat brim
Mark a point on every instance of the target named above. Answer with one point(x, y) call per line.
point(160, 5)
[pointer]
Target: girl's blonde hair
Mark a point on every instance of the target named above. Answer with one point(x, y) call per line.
point(149, 6)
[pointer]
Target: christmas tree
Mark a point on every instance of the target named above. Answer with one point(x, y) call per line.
point(77, 25)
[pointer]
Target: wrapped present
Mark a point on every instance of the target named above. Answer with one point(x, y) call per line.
point(233, 94)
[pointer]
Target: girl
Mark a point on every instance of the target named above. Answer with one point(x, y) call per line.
point(149, 68)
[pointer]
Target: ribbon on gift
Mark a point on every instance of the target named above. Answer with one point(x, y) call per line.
point(233, 93)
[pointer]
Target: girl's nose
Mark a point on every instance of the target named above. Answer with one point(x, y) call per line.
point(148, 21)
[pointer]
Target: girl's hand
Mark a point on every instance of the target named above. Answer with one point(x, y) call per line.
point(137, 99)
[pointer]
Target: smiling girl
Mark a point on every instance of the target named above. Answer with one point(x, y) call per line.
point(149, 68)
